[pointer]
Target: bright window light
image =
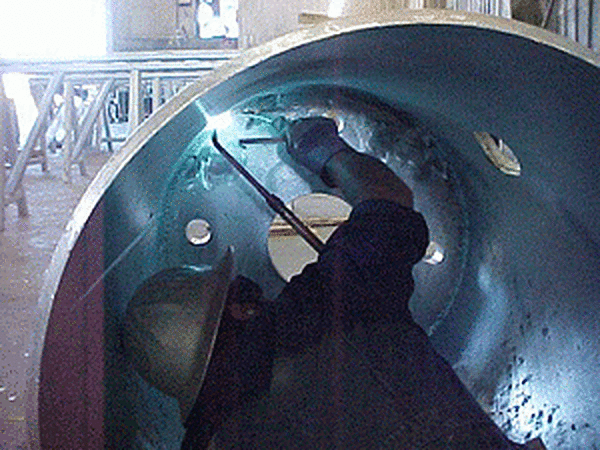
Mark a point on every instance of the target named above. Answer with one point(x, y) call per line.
point(223, 24)
point(52, 29)
point(17, 88)
point(335, 8)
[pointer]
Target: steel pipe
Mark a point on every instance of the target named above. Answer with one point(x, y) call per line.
point(513, 306)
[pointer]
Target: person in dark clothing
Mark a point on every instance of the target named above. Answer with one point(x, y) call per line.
point(336, 361)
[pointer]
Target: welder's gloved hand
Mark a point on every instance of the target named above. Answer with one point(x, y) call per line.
point(244, 298)
point(313, 142)
point(254, 337)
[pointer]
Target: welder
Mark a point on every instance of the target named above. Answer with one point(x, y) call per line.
point(336, 361)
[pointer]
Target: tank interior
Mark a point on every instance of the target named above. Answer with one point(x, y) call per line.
point(496, 132)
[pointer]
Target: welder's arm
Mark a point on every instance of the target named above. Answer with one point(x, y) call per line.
point(315, 144)
point(362, 177)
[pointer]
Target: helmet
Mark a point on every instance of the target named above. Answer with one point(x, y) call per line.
point(171, 325)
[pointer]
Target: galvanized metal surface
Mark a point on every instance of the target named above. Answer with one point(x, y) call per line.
point(575, 19)
point(514, 305)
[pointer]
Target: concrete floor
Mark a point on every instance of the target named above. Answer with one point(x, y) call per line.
point(26, 247)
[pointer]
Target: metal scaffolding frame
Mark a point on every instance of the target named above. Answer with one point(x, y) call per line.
point(164, 71)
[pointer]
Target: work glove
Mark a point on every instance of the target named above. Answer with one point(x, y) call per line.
point(313, 142)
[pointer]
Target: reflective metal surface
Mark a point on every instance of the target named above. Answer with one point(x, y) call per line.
point(513, 306)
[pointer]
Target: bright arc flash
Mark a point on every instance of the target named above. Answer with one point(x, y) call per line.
point(335, 8)
point(220, 122)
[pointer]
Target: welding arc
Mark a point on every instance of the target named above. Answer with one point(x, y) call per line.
point(272, 200)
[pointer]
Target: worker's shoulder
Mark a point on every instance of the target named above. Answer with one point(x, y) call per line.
point(385, 209)
point(380, 229)
point(384, 217)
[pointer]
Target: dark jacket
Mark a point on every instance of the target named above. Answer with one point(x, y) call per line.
point(350, 368)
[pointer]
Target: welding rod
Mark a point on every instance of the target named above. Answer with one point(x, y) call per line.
point(262, 140)
point(273, 201)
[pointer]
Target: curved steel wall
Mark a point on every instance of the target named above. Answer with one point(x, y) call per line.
point(513, 307)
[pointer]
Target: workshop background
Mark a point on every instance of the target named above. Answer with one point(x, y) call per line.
point(94, 71)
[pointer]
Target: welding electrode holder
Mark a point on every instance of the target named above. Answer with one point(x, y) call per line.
point(272, 200)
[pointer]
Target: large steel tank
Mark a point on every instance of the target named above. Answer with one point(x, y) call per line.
point(494, 124)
